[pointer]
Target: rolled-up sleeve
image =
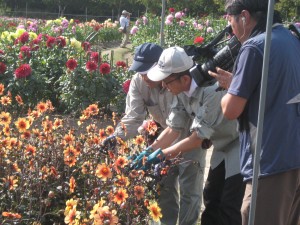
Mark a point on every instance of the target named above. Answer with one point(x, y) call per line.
point(208, 113)
point(135, 112)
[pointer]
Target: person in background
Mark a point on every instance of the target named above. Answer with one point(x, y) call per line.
point(125, 27)
point(278, 193)
point(180, 195)
point(224, 188)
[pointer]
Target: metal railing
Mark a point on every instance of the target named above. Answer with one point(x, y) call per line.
point(54, 15)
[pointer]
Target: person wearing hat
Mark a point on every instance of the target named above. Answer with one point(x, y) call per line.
point(124, 27)
point(278, 184)
point(146, 96)
point(224, 188)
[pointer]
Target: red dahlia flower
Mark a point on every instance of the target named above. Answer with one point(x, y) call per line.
point(24, 51)
point(86, 46)
point(24, 37)
point(71, 64)
point(95, 57)
point(126, 86)
point(105, 68)
point(40, 36)
point(121, 64)
point(16, 41)
point(91, 66)
point(36, 41)
point(35, 44)
point(50, 41)
point(60, 42)
point(23, 71)
point(198, 40)
point(12, 24)
point(171, 10)
point(97, 27)
point(2, 68)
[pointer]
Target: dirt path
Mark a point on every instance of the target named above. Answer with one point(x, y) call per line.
point(119, 54)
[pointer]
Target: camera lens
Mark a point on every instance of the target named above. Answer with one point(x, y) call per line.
point(224, 58)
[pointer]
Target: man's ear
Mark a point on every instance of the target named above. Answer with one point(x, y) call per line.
point(185, 79)
point(245, 16)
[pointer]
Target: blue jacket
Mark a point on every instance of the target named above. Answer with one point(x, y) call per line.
point(280, 150)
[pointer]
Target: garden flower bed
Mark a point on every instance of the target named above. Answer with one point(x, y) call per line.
point(53, 64)
point(53, 171)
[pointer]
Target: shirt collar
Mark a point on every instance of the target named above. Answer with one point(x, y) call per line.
point(193, 87)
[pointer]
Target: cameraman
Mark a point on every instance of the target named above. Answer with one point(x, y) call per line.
point(278, 195)
point(224, 187)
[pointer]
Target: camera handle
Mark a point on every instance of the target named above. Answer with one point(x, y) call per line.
point(209, 50)
point(219, 37)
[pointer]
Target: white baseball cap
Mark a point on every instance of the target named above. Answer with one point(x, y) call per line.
point(124, 12)
point(172, 60)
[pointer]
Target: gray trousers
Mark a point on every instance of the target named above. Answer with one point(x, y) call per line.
point(181, 193)
point(278, 200)
point(125, 37)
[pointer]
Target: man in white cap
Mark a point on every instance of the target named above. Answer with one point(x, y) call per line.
point(124, 27)
point(224, 187)
point(146, 96)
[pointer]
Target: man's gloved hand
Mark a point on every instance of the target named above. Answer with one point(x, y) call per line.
point(108, 143)
point(111, 140)
point(138, 161)
point(132, 157)
point(154, 158)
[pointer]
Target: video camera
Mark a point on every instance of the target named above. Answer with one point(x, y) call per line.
point(223, 58)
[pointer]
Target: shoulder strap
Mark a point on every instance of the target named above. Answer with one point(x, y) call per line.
point(296, 31)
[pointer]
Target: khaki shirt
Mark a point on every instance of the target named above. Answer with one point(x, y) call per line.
point(204, 108)
point(140, 101)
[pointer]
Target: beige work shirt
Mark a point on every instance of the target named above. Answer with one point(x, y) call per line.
point(140, 101)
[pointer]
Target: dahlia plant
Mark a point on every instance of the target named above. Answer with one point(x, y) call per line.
point(55, 65)
point(62, 26)
point(93, 80)
point(179, 29)
point(55, 171)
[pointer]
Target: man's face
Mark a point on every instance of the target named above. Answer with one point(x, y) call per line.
point(173, 84)
point(238, 27)
point(150, 83)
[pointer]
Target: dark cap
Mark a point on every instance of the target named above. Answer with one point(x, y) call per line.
point(146, 55)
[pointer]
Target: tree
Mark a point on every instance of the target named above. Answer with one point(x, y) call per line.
point(61, 4)
point(289, 9)
point(150, 5)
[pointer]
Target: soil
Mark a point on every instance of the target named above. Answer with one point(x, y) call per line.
point(110, 45)
point(125, 54)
